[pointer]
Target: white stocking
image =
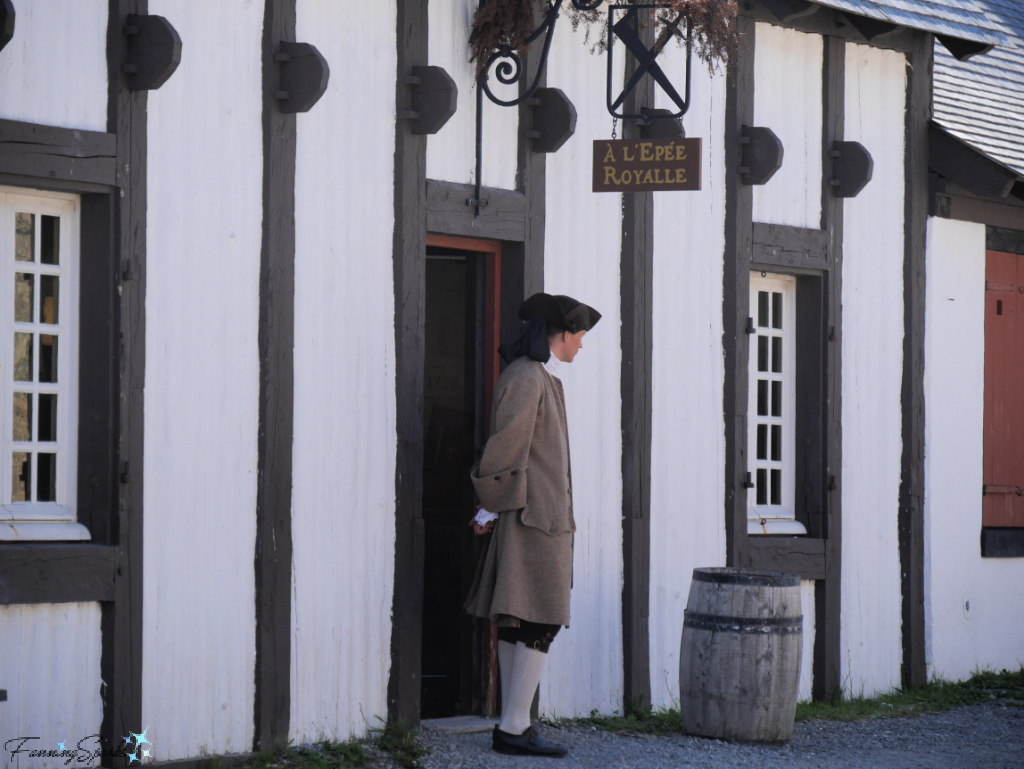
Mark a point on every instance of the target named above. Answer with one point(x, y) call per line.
point(506, 660)
point(526, 670)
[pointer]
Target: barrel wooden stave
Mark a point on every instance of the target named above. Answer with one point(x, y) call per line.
point(735, 684)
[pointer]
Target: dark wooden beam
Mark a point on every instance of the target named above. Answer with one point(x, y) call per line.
point(957, 203)
point(49, 152)
point(121, 620)
point(826, 666)
point(739, 207)
point(1002, 543)
point(408, 250)
point(911, 509)
point(1010, 241)
point(99, 337)
point(793, 555)
point(959, 162)
point(273, 556)
point(636, 287)
point(503, 218)
point(790, 247)
point(531, 180)
point(57, 573)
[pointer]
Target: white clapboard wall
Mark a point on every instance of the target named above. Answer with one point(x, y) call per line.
point(205, 176)
point(973, 605)
point(450, 153)
point(872, 350)
point(581, 258)
point(343, 492)
point(688, 427)
point(54, 74)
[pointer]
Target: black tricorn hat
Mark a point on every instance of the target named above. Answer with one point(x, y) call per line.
point(560, 312)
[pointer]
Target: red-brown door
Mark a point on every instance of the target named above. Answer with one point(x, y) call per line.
point(1003, 474)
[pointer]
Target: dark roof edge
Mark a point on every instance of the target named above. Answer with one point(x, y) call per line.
point(967, 166)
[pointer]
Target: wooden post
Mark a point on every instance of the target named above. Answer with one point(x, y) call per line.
point(636, 287)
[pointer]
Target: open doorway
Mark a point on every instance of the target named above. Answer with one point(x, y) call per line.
point(460, 368)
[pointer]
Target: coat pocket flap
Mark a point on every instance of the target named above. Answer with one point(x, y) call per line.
point(501, 491)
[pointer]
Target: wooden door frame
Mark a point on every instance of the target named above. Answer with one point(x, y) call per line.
point(490, 251)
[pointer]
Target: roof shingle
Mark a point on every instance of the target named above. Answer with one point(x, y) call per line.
point(981, 101)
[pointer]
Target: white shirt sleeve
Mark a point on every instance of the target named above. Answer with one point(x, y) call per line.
point(483, 517)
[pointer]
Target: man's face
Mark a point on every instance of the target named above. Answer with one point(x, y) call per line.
point(573, 344)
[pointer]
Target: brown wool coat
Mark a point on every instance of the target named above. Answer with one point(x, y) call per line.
point(524, 475)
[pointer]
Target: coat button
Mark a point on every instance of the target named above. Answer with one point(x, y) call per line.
point(514, 472)
point(497, 477)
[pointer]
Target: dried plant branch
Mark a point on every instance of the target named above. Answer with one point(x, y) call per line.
point(502, 24)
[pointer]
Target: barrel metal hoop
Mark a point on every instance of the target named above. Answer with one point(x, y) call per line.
point(762, 578)
point(743, 625)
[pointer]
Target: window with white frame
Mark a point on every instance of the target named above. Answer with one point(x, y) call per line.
point(771, 412)
point(39, 365)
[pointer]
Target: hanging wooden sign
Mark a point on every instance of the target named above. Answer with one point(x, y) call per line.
point(646, 165)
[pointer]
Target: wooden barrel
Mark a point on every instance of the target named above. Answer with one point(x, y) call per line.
point(739, 660)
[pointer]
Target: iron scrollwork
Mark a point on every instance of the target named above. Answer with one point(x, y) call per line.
point(508, 67)
point(508, 70)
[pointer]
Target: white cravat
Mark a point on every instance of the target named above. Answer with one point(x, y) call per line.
point(551, 365)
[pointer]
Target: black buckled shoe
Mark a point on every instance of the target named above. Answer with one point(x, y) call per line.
point(529, 743)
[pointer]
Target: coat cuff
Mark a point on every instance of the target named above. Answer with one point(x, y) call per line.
point(501, 491)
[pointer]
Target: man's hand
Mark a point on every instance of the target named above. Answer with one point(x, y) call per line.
point(478, 529)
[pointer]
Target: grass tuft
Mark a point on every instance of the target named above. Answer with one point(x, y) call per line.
point(639, 720)
point(322, 755)
point(401, 743)
point(935, 697)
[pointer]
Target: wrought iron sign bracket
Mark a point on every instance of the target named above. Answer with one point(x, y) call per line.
point(435, 97)
point(761, 154)
point(852, 166)
point(6, 22)
point(509, 70)
point(302, 77)
point(626, 30)
point(153, 52)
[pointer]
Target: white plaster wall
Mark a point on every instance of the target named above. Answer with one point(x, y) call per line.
point(973, 605)
point(804, 692)
point(872, 350)
point(581, 259)
point(343, 494)
point(54, 69)
point(451, 153)
point(688, 435)
point(787, 99)
point(202, 383)
point(50, 667)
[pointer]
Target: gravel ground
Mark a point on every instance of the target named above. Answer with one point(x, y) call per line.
point(987, 736)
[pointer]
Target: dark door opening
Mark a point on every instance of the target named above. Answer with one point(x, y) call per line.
point(460, 367)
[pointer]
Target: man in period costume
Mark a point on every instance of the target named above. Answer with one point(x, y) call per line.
point(524, 484)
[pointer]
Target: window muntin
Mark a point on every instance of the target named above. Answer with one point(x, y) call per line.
point(38, 364)
point(771, 411)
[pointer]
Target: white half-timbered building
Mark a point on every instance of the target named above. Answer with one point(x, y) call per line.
point(255, 261)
